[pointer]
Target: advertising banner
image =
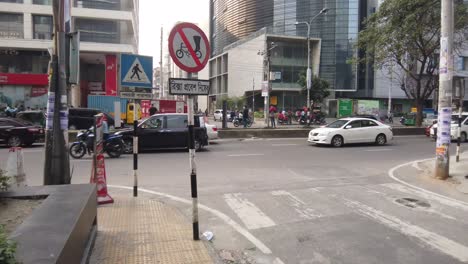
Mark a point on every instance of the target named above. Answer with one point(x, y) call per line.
point(111, 75)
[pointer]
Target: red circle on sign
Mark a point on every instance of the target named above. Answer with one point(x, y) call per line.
point(200, 64)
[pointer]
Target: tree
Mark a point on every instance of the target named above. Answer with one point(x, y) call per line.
point(403, 37)
point(233, 103)
point(319, 90)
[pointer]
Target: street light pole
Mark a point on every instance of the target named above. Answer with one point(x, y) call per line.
point(309, 70)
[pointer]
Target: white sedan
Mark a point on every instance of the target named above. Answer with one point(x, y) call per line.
point(351, 130)
point(218, 114)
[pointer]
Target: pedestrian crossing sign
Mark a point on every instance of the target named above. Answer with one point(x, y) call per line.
point(136, 71)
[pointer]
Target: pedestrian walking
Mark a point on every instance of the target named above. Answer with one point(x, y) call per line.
point(245, 116)
point(390, 117)
point(290, 117)
point(153, 110)
point(272, 116)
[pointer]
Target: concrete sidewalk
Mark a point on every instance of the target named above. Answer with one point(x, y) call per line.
point(421, 174)
point(142, 230)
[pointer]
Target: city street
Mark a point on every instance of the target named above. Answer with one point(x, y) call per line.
point(285, 201)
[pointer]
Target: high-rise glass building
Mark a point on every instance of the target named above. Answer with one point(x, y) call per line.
point(233, 21)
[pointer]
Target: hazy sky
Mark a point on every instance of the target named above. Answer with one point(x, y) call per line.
point(157, 13)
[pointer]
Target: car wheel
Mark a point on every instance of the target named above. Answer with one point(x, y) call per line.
point(14, 141)
point(463, 137)
point(381, 139)
point(128, 146)
point(337, 141)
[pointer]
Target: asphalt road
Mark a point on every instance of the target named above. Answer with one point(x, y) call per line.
point(285, 201)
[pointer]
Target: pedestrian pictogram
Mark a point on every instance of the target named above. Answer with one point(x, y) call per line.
point(136, 71)
point(189, 47)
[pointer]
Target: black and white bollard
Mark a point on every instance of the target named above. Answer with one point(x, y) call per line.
point(135, 150)
point(193, 169)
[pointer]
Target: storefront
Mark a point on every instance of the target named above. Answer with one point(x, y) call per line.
point(23, 78)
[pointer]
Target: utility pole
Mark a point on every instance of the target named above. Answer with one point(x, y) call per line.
point(445, 92)
point(253, 100)
point(57, 162)
point(161, 89)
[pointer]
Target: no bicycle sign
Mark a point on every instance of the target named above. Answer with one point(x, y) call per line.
point(189, 47)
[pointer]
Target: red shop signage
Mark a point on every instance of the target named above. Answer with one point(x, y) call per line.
point(24, 79)
point(38, 91)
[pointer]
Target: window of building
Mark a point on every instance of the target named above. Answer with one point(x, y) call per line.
point(465, 63)
point(22, 61)
point(93, 30)
point(11, 25)
point(42, 27)
point(11, 1)
point(42, 2)
point(99, 4)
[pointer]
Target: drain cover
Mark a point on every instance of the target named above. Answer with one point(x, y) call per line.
point(412, 203)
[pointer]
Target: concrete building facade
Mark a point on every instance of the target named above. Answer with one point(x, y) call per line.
point(107, 29)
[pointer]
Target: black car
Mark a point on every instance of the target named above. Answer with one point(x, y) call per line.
point(16, 132)
point(36, 117)
point(165, 131)
point(83, 118)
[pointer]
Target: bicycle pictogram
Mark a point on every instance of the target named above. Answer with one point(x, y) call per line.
point(183, 50)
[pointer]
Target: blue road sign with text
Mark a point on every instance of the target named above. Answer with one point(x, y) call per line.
point(136, 71)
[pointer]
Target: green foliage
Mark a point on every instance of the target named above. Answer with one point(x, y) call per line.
point(258, 115)
point(7, 248)
point(319, 90)
point(4, 181)
point(233, 103)
point(403, 37)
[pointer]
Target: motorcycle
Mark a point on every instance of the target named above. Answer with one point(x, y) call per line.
point(402, 120)
point(240, 121)
point(283, 119)
point(113, 145)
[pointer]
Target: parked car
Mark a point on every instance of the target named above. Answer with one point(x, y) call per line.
point(83, 118)
point(212, 131)
point(351, 130)
point(454, 128)
point(165, 131)
point(218, 114)
point(16, 132)
point(35, 117)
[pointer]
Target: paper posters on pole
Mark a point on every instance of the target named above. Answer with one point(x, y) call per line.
point(444, 124)
point(446, 61)
point(50, 111)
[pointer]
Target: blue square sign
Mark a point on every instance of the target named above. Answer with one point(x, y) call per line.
point(136, 71)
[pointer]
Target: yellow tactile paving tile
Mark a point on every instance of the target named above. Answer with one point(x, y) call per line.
point(138, 230)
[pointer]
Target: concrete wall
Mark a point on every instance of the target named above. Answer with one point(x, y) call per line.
point(245, 66)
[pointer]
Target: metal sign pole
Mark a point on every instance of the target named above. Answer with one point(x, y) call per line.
point(193, 167)
point(135, 149)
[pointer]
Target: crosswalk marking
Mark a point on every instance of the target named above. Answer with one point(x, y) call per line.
point(299, 206)
point(432, 239)
point(251, 215)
